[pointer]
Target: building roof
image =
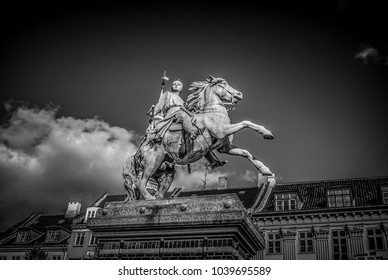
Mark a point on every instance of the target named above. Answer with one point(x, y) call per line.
point(39, 223)
point(364, 192)
point(14, 227)
point(46, 220)
point(313, 195)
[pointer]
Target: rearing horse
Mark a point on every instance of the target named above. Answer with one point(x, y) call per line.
point(153, 163)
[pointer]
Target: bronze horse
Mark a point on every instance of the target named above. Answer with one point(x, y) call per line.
point(149, 173)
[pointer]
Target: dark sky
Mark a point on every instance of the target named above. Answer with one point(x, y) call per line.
point(76, 83)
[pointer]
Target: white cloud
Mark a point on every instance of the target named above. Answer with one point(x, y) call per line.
point(47, 161)
point(367, 54)
point(249, 176)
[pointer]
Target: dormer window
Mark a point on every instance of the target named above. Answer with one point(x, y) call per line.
point(52, 236)
point(22, 236)
point(286, 201)
point(91, 214)
point(339, 197)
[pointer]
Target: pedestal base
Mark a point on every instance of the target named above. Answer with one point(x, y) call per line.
point(205, 227)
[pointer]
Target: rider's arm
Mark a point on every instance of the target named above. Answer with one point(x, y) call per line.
point(161, 104)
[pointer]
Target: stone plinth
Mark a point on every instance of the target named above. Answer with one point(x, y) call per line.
point(203, 227)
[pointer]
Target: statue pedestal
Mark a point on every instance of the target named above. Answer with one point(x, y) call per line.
point(203, 227)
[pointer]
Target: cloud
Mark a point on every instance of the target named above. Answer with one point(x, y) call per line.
point(249, 176)
point(45, 161)
point(368, 54)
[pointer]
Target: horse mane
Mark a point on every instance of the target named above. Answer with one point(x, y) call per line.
point(198, 90)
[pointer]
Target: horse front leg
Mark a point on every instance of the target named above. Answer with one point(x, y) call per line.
point(230, 129)
point(235, 151)
point(151, 160)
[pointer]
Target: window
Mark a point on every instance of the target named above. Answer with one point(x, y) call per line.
point(375, 239)
point(340, 248)
point(284, 202)
point(384, 191)
point(57, 257)
point(91, 214)
point(116, 245)
point(274, 243)
point(79, 239)
point(92, 240)
point(52, 236)
point(306, 242)
point(22, 236)
point(339, 197)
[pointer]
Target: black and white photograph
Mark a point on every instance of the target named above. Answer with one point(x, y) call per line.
point(194, 131)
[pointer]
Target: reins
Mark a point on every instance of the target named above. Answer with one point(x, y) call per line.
point(223, 104)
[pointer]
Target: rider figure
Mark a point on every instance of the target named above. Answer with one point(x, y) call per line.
point(171, 102)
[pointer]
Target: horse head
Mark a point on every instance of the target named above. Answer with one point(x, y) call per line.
point(224, 91)
point(210, 92)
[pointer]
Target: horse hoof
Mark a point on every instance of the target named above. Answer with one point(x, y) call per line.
point(268, 136)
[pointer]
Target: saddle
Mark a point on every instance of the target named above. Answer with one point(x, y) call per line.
point(174, 127)
point(172, 124)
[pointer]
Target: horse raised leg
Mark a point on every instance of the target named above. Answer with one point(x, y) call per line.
point(230, 129)
point(236, 151)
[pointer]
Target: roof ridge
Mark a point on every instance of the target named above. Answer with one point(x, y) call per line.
point(335, 180)
point(53, 214)
point(23, 223)
point(100, 199)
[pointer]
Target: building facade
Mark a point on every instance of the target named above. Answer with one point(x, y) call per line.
point(319, 220)
point(51, 232)
point(324, 220)
point(82, 242)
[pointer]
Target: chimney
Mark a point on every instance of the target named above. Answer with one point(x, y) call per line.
point(73, 209)
point(222, 183)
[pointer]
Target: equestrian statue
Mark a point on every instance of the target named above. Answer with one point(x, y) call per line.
point(183, 132)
